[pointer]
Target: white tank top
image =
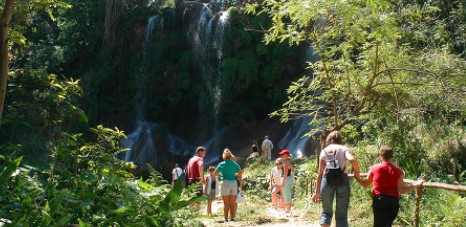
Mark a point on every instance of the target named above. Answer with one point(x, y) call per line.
point(277, 175)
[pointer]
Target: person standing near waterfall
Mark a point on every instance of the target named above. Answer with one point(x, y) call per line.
point(267, 147)
point(196, 169)
point(177, 172)
point(229, 170)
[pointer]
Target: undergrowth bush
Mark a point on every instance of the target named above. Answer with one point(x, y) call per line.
point(87, 185)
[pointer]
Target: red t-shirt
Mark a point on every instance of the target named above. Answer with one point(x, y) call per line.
point(193, 167)
point(385, 179)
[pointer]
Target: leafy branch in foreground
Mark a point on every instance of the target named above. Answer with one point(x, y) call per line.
point(374, 62)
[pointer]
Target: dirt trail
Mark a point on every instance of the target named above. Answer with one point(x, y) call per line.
point(282, 219)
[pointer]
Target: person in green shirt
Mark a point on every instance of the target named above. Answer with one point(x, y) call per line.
point(229, 170)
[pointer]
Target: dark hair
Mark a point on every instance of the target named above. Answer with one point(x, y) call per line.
point(386, 152)
point(200, 148)
point(334, 137)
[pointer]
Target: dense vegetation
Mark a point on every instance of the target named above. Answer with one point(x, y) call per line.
point(389, 72)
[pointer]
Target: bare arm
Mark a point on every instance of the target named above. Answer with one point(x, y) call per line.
point(353, 162)
point(320, 173)
point(239, 176)
point(271, 180)
point(206, 185)
point(402, 188)
point(201, 171)
point(367, 182)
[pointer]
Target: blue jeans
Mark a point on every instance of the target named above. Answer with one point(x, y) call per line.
point(342, 194)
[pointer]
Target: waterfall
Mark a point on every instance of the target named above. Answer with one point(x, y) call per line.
point(216, 29)
point(294, 140)
point(142, 79)
point(141, 141)
point(205, 31)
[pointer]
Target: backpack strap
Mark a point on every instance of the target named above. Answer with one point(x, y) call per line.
point(335, 158)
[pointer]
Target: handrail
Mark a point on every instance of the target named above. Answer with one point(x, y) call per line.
point(426, 184)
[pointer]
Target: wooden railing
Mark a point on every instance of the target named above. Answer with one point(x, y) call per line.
point(453, 187)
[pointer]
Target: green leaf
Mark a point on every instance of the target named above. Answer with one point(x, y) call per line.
point(8, 170)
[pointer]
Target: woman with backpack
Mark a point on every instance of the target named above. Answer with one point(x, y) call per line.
point(333, 182)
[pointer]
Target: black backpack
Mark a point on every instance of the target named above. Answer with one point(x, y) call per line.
point(333, 173)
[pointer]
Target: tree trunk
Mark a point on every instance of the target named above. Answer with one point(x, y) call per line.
point(4, 22)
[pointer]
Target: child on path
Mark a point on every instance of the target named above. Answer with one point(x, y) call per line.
point(210, 189)
point(276, 178)
point(288, 178)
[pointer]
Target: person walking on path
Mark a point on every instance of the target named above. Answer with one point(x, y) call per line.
point(210, 190)
point(267, 147)
point(333, 181)
point(177, 172)
point(388, 183)
point(229, 170)
point(276, 186)
point(196, 168)
point(288, 178)
point(239, 180)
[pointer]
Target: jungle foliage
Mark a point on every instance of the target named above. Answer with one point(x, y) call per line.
point(385, 73)
point(389, 72)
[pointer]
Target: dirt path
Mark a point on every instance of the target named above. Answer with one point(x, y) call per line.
point(279, 218)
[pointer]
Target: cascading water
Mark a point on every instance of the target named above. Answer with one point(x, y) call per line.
point(206, 34)
point(205, 25)
point(294, 140)
point(206, 31)
point(141, 140)
point(216, 29)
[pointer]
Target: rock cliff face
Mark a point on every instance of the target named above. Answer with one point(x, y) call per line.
point(197, 78)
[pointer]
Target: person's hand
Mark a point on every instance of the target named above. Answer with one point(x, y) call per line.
point(357, 178)
point(419, 182)
point(316, 197)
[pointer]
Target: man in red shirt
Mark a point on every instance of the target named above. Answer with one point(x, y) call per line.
point(195, 168)
point(388, 185)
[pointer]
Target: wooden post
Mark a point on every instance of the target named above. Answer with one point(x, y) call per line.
point(416, 207)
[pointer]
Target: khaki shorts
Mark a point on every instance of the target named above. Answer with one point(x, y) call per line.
point(229, 187)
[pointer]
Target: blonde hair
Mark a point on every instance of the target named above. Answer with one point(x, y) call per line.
point(211, 168)
point(227, 154)
point(279, 161)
